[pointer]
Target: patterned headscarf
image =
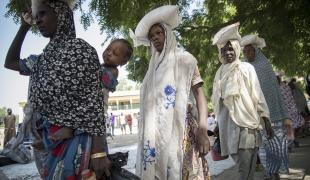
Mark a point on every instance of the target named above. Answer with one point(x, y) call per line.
point(270, 87)
point(65, 81)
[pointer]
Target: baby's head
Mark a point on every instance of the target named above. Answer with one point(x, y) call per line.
point(117, 53)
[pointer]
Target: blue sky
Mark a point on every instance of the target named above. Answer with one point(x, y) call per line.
point(14, 87)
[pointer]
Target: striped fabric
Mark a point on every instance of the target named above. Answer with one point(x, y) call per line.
point(273, 153)
point(270, 87)
point(66, 159)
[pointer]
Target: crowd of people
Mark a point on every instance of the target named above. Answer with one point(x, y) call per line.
point(255, 115)
point(121, 121)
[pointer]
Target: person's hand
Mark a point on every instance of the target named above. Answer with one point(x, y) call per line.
point(268, 128)
point(202, 140)
point(101, 167)
point(27, 20)
point(38, 145)
point(287, 122)
point(62, 134)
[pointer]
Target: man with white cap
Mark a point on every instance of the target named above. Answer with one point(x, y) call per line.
point(171, 77)
point(274, 153)
point(239, 105)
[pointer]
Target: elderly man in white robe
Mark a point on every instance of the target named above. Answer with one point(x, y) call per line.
point(239, 105)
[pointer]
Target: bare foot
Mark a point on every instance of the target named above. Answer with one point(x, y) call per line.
point(62, 134)
point(38, 145)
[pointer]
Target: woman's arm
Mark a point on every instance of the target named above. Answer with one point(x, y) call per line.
point(201, 105)
point(13, 55)
point(101, 165)
point(202, 138)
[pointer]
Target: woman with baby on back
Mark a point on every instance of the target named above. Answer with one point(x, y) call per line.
point(66, 91)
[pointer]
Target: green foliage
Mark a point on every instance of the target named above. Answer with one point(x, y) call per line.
point(2, 114)
point(138, 65)
point(285, 25)
point(16, 7)
point(123, 85)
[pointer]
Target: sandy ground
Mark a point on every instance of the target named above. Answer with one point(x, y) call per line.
point(299, 162)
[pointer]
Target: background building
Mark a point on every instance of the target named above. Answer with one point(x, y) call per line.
point(126, 102)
